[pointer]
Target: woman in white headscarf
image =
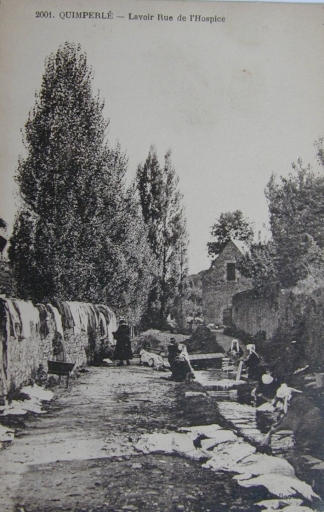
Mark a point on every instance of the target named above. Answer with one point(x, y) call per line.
point(252, 362)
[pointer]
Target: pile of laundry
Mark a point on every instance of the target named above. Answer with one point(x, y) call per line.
point(32, 403)
point(153, 360)
point(221, 450)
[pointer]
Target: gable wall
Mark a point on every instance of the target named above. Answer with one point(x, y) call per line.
point(217, 292)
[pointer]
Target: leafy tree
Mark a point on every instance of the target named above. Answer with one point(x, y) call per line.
point(64, 139)
point(229, 226)
point(72, 238)
point(3, 240)
point(179, 307)
point(319, 145)
point(191, 304)
point(135, 260)
point(259, 264)
point(163, 214)
point(296, 206)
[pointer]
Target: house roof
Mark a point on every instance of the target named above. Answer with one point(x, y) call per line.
point(242, 246)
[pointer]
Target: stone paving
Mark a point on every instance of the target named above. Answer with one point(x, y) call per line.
point(81, 455)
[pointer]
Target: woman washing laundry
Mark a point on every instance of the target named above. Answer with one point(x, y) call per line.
point(266, 388)
point(179, 362)
point(253, 363)
point(236, 350)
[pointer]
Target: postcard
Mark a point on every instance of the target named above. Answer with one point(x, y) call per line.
point(162, 264)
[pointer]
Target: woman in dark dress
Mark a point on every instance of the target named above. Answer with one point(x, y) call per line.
point(173, 351)
point(123, 349)
point(266, 388)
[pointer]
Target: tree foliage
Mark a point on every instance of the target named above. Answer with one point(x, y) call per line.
point(259, 264)
point(296, 206)
point(229, 226)
point(192, 304)
point(295, 252)
point(75, 236)
point(163, 213)
point(319, 145)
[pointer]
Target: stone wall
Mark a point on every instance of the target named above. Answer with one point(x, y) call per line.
point(28, 334)
point(217, 290)
point(291, 315)
point(252, 313)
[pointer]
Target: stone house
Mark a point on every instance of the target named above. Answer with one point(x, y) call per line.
point(220, 282)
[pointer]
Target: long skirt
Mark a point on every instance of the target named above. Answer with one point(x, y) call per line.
point(181, 370)
point(123, 350)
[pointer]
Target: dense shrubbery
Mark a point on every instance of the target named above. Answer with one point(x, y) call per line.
point(295, 251)
point(260, 336)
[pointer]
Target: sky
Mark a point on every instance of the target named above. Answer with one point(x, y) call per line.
point(235, 101)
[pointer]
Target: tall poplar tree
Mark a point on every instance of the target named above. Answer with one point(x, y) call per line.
point(163, 213)
point(71, 238)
